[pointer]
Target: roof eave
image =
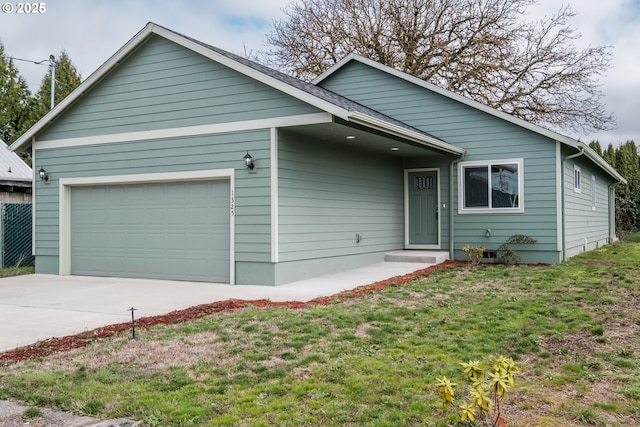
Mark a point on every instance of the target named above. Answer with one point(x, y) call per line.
point(420, 138)
point(595, 157)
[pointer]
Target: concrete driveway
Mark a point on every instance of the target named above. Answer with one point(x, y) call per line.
point(36, 307)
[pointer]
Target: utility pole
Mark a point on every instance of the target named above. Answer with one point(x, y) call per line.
point(52, 69)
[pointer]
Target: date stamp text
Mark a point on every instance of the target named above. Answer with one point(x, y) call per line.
point(24, 8)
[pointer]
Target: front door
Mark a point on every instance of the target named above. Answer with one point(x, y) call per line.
point(422, 208)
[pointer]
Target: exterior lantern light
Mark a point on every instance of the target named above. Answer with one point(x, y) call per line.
point(248, 161)
point(43, 174)
point(487, 232)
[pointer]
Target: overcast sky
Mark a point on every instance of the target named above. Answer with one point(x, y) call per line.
point(93, 30)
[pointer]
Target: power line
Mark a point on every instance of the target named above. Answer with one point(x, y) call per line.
point(28, 60)
point(52, 69)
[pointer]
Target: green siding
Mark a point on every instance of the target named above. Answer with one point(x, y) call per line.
point(163, 85)
point(329, 193)
point(586, 229)
point(484, 136)
point(204, 152)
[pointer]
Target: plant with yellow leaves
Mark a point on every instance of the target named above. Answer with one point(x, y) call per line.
point(474, 253)
point(489, 381)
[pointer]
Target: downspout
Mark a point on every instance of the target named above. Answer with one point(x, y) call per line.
point(612, 211)
point(451, 222)
point(564, 225)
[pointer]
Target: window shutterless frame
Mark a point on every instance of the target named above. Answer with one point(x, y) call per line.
point(491, 186)
point(577, 179)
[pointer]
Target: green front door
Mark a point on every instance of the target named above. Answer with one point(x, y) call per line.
point(423, 208)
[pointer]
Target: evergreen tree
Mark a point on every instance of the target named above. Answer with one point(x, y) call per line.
point(626, 161)
point(595, 146)
point(628, 164)
point(15, 100)
point(67, 79)
point(610, 155)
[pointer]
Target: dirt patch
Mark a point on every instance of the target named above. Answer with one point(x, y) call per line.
point(61, 344)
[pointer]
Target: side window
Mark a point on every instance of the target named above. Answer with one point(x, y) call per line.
point(577, 179)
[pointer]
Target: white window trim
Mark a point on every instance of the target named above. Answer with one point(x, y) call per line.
point(594, 191)
point(577, 179)
point(462, 165)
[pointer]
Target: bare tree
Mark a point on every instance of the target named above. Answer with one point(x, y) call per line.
point(482, 49)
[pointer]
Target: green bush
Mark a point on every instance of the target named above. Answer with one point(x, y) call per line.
point(507, 255)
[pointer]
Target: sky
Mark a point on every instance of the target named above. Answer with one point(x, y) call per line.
point(91, 31)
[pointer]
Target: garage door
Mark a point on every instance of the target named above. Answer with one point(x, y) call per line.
point(176, 230)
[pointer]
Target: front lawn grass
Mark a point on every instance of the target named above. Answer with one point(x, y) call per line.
point(15, 271)
point(573, 328)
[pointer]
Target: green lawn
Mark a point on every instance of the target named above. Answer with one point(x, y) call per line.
point(16, 271)
point(573, 328)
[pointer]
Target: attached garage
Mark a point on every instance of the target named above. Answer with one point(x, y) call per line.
point(176, 229)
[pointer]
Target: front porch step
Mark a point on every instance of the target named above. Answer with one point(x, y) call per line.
point(424, 257)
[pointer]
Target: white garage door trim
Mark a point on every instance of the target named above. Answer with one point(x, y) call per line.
point(66, 184)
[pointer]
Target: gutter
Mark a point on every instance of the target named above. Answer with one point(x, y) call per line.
point(563, 213)
point(451, 222)
point(588, 151)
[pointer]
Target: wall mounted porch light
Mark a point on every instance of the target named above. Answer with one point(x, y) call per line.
point(487, 232)
point(248, 161)
point(43, 174)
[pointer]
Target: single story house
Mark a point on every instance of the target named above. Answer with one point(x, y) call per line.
point(179, 160)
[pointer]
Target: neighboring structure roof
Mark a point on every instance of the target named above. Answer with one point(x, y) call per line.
point(578, 145)
point(321, 98)
point(13, 168)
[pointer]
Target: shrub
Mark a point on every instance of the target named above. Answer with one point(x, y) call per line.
point(474, 253)
point(489, 381)
point(507, 255)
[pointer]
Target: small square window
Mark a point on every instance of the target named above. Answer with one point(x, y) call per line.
point(493, 186)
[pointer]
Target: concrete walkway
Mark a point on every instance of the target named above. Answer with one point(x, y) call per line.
point(36, 307)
